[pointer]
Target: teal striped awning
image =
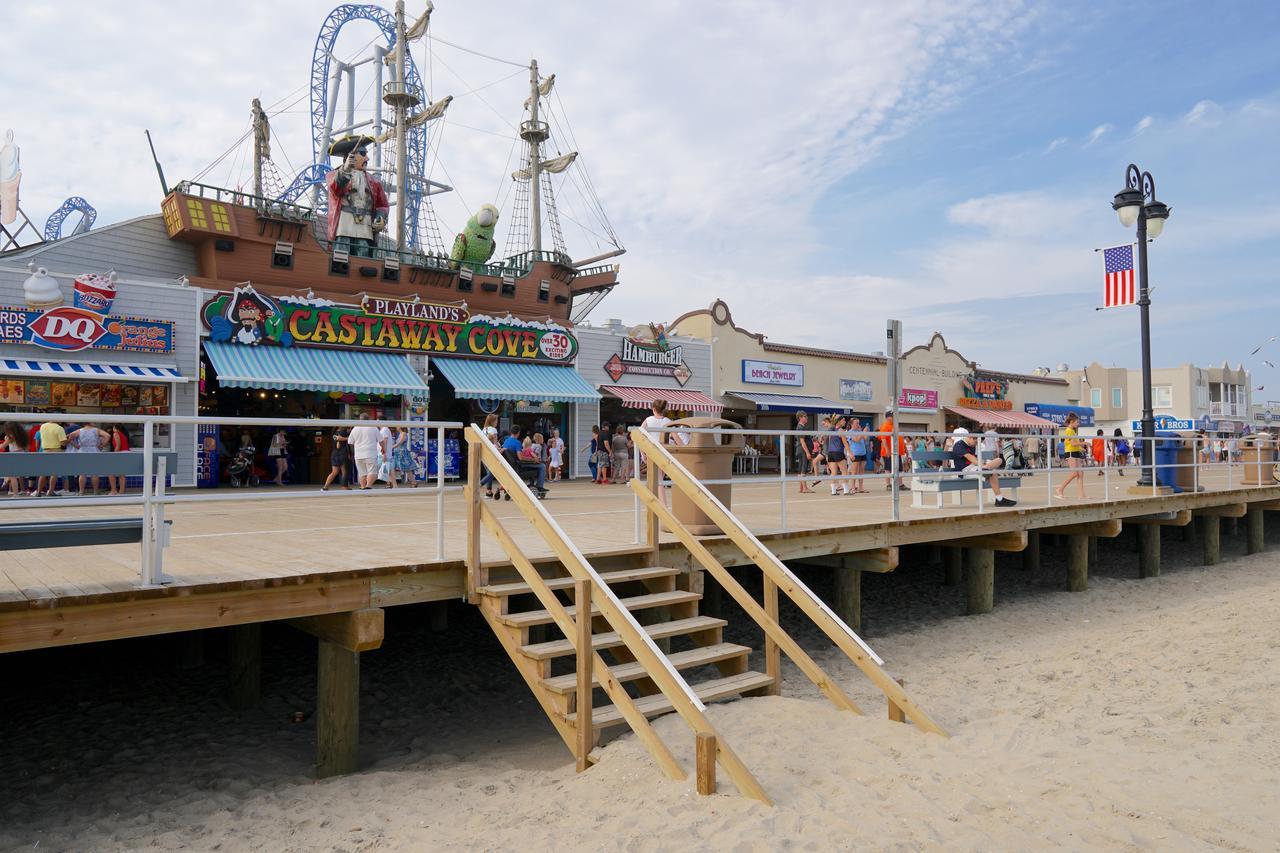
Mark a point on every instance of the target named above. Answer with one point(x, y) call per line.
point(312, 369)
point(506, 380)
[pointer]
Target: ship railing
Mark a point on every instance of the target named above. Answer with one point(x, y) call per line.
point(268, 207)
point(166, 435)
point(598, 269)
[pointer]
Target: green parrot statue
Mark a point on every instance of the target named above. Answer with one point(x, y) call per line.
point(474, 246)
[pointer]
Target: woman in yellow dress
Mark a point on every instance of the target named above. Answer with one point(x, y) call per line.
point(1074, 450)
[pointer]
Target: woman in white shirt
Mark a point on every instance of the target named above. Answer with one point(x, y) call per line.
point(652, 425)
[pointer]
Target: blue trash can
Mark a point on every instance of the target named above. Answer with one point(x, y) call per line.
point(1166, 458)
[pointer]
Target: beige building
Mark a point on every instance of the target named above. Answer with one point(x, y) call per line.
point(762, 383)
point(1215, 398)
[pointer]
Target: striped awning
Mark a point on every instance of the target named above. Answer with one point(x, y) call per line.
point(998, 418)
point(767, 402)
point(683, 401)
point(90, 371)
point(509, 380)
point(312, 369)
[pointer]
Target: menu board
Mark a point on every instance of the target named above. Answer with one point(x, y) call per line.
point(64, 394)
point(37, 392)
point(128, 395)
point(12, 391)
point(160, 396)
point(147, 396)
point(110, 397)
point(88, 394)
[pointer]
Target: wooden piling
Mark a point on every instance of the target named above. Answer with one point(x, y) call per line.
point(1210, 539)
point(438, 616)
point(244, 659)
point(1148, 550)
point(849, 597)
point(705, 759)
point(1093, 552)
point(1189, 533)
point(1232, 524)
point(980, 576)
point(952, 571)
point(1257, 524)
point(337, 710)
point(1078, 562)
point(1031, 554)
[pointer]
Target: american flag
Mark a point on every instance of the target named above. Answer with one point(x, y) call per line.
point(1120, 287)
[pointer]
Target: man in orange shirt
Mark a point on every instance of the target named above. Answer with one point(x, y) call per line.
point(886, 441)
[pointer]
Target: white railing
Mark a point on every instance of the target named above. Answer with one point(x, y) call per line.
point(1228, 410)
point(155, 495)
point(901, 474)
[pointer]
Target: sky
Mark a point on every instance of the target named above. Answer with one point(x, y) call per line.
point(820, 166)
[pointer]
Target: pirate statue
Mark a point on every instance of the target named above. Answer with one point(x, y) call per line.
point(357, 200)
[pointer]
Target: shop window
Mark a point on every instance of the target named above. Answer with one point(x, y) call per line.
point(465, 284)
point(544, 291)
point(195, 211)
point(1117, 398)
point(1095, 398)
point(221, 218)
point(1162, 396)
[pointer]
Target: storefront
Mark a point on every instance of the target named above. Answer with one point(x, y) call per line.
point(310, 358)
point(80, 345)
point(633, 366)
point(1057, 413)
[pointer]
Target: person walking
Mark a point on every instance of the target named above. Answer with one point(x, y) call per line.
point(857, 457)
point(402, 459)
point(363, 440)
point(1073, 450)
point(620, 460)
point(836, 452)
point(53, 438)
point(119, 444)
point(886, 440)
point(1120, 447)
point(1031, 446)
point(555, 455)
point(337, 461)
point(804, 452)
point(14, 440)
point(1098, 450)
point(278, 450)
point(592, 448)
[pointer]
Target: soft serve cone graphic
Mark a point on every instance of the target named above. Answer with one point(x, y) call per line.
point(10, 177)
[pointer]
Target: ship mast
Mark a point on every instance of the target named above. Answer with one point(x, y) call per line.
point(535, 132)
point(401, 102)
point(261, 145)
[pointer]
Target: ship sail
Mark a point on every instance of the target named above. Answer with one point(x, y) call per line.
point(554, 166)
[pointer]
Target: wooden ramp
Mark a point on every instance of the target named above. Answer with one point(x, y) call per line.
point(664, 656)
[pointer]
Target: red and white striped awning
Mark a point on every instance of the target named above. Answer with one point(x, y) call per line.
point(677, 400)
point(998, 418)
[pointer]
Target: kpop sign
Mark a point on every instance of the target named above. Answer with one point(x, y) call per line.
point(918, 398)
point(247, 317)
point(73, 329)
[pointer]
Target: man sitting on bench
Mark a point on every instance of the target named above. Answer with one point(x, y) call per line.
point(964, 458)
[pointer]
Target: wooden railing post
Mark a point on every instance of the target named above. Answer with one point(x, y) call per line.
point(475, 570)
point(585, 731)
point(772, 655)
point(653, 478)
point(706, 763)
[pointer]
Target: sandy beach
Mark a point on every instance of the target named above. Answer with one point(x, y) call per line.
point(1137, 715)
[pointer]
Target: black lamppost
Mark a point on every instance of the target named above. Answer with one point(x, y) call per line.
point(1137, 203)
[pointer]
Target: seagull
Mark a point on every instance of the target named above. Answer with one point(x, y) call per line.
point(1268, 364)
point(1263, 344)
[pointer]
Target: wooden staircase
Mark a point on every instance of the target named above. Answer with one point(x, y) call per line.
point(663, 656)
point(722, 667)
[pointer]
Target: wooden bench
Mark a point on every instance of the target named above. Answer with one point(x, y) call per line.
point(942, 482)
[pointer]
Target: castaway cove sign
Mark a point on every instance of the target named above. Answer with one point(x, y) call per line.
point(250, 318)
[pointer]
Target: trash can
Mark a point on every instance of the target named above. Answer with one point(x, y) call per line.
point(707, 456)
point(1184, 476)
point(1167, 449)
point(1259, 459)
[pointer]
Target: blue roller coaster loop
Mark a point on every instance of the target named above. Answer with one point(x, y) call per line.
point(320, 60)
point(75, 204)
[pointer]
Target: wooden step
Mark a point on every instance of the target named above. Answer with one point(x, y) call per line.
point(611, 640)
point(631, 671)
point(620, 576)
point(638, 602)
point(707, 691)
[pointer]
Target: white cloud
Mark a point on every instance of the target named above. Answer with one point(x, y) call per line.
point(1143, 124)
point(1055, 144)
point(1098, 132)
point(1206, 113)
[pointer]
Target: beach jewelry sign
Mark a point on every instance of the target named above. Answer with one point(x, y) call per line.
point(772, 373)
point(86, 323)
point(247, 317)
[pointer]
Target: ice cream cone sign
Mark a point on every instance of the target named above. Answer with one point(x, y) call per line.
point(10, 178)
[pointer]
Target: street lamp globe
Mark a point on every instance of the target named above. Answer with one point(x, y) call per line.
point(1127, 204)
point(1157, 213)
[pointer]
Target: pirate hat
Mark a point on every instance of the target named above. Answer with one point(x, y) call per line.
point(342, 147)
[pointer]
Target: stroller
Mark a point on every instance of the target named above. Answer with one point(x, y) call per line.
point(241, 469)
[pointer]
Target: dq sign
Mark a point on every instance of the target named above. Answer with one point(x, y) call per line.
point(72, 329)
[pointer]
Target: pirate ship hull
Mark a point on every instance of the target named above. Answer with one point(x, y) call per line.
point(241, 238)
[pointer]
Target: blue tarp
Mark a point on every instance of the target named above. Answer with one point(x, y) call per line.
point(1058, 414)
